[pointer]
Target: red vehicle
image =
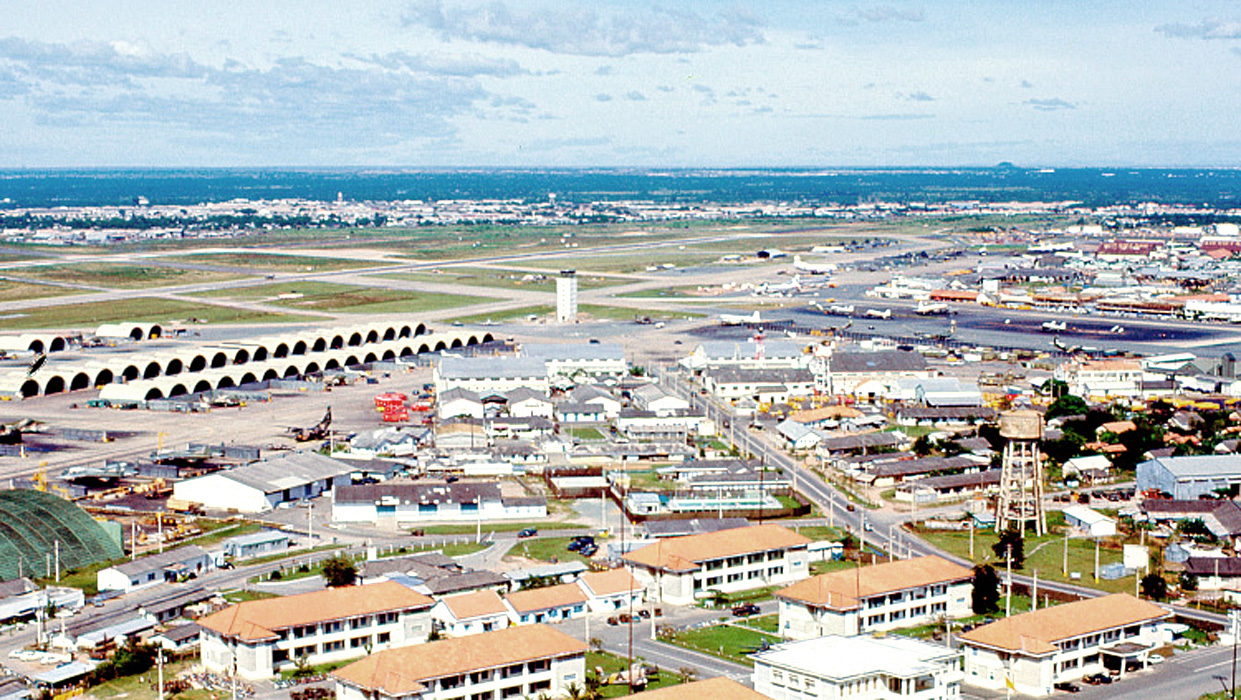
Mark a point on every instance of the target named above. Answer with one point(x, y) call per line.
point(396, 415)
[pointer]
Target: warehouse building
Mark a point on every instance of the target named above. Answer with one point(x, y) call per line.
point(412, 502)
point(1187, 478)
point(261, 486)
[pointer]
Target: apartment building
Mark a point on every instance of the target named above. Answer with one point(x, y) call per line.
point(896, 594)
point(470, 613)
point(259, 638)
point(1064, 643)
point(510, 663)
point(858, 668)
point(681, 569)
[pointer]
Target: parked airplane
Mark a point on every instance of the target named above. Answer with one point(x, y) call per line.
point(813, 268)
point(876, 313)
point(739, 320)
point(927, 308)
point(1054, 326)
point(793, 285)
point(835, 309)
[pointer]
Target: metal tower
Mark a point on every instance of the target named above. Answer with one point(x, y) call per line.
point(1021, 473)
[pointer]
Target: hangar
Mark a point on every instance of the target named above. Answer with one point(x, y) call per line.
point(164, 372)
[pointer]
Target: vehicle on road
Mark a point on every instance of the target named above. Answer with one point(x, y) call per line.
point(1067, 687)
point(528, 532)
point(745, 610)
point(589, 550)
point(1097, 679)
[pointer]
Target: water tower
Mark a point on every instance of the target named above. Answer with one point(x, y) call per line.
point(1021, 473)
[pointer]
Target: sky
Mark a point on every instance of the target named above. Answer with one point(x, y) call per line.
point(584, 83)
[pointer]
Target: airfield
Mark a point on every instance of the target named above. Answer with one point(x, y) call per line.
point(657, 292)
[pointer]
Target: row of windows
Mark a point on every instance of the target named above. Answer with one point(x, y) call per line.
point(1106, 637)
point(912, 594)
point(334, 626)
point(728, 562)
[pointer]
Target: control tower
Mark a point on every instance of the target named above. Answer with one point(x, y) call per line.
point(1021, 474)
point(566, 296)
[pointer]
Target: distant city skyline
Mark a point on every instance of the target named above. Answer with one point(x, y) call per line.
point(432, 83)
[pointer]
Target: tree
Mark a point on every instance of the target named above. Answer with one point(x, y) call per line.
point(1011, 543)
point(339, 571)
point(1154, 587)
point(922, 446)
point(1067, 405)
point(1189, 582)
point(985, 594)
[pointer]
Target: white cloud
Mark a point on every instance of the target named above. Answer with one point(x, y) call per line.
point(1206, 29)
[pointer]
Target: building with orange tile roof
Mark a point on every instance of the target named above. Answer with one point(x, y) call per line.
point(681, 569)
point(1063, 643)
point(892, 595)
point(470, 613)
point(509, 663)
point(531, 606)
point(611, 590)
point(720, 688)
point(261, 637)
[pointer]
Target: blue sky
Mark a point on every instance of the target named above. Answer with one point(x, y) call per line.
point(583, 83)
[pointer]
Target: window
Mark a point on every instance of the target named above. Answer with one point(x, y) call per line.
point(279, 655)
point(1133, 630)
point(358, 623)
point(539, 666)
point(450, 682)
point(714, 564)
point(511, 671)
point(308, 650)
point(777, 677)
point(480, 676)
point(384, 637)
point(539, 686)
point(774, 556)
point(939, 607)
point(333, 626)
point(924, 683)
point(755, 558)
point(483, 696)
point(714, 581)
point(387, 618)
point(733, 578)
point(333, 646)
point(303, 631)
point(736, 561)
point(775, 571)
point(754, 574)
point(510, 692)
point(359, 642)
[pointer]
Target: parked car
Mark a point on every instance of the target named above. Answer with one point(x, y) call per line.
point(528, 532)
point(1097, 679)
point(575, 545)
point(746, 610)
point(1067, 687)
point(589, 550)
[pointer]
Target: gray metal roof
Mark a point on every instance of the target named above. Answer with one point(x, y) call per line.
point(260, 537)
point(733, 375)
point(492, 367)
point(1200, 466)
point(158, 562)
point(880, 361)
point(745, 350)
point(288, 471)
point(430, 492)
point(574, 351)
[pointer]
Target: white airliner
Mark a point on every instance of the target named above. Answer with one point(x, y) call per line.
point(926, 308)
point(739, 320)
point(793, 285)
point(812, 268)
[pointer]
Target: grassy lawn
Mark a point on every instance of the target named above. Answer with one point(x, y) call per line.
point(538, 280)
point(764, 623)
point(120, 276)
point(142, 685)
point(319, 670)
point(728, 600)
point(1044, 554)
point(618, 313)
point(1020, 604)
point(348, 298)
point(547, 549)
point(241, 596)
point(611, 663)
point(463, 548)
point(818, 533)
point(586, 433)
point(277, 262)
point(142, 309)
point(11, 290)
point(830, 565)
point(913, 431)
point(725, 641)
point(648, 481)
point(541, 311)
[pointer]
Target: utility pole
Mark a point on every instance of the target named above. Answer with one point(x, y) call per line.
point(1008, 568)
point(1034, 593)
point(159, 658)
point(971, 539)
point(56, 547)
point(1096, 559)
point(1064, 567)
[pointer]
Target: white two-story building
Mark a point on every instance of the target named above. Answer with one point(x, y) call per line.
point(682, 569)
point(896, 594)
point(1063, 643)
point(262, 637)
point(858, 668)
point(517, 662)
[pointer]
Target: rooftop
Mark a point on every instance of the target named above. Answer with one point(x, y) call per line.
point(476, 604)
point(843, 658)
point(403, 671)
point(255, 620)
point(533, 599)
point(287, 471)
point(492, 367)
point(1037, 632)
point(714, 688)
point(841, 590)
point(880, 361)
point(610, 582)
point(684, 553)
point(1198, 466)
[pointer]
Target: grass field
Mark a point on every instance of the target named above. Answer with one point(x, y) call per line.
point(539, 281)
point(347, 298)
point(591, 434)
point(118, 276)
point(500, 527)
point(728, 642)
point(142, 309)
point(16, 291)
point(276, 262)
point(542, 311)
point(1044, 554)
point(142, 686)
point(611, 663)
point(547, 549)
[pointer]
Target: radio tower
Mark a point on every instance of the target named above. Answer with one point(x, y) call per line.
point(1021, 474)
